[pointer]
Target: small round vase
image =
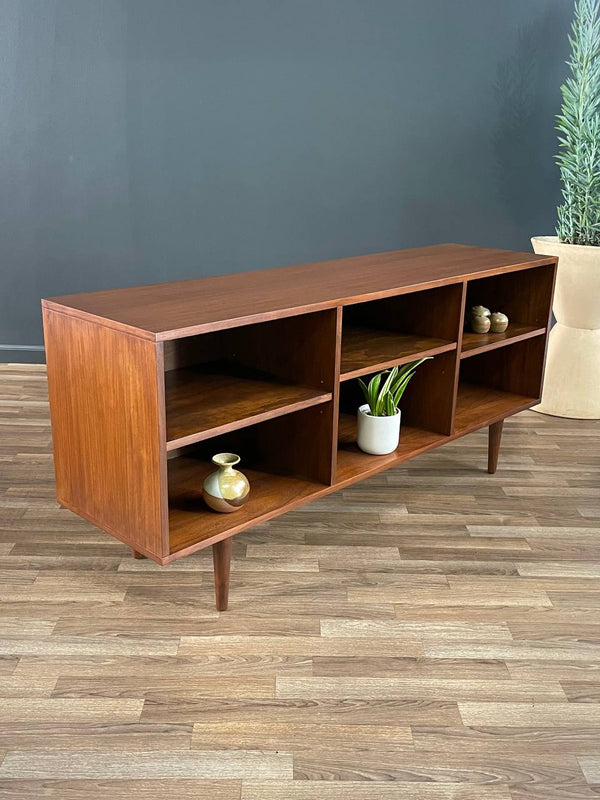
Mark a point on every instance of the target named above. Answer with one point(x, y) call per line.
point(480, 323)
point(499, 322)
point(227, 489)
point(479, 311)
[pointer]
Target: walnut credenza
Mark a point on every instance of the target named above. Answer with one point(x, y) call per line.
point(147, 383)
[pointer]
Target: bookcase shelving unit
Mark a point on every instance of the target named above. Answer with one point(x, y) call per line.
point(147, 383)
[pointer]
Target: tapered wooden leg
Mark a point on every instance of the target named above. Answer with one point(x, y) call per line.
point(495, 434)
point(222, 566)
point(135, 554)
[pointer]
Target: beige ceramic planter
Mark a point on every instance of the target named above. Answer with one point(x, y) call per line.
point(572, 379)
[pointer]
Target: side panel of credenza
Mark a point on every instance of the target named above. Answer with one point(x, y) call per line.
point(107, 414)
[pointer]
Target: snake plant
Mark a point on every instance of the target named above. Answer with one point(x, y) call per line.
point(384, 398)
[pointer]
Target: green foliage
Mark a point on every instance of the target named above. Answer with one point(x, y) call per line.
point(384, 401)
point(578, 125)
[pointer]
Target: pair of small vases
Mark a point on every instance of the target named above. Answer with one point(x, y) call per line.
point(226, 489)
point(483, 321)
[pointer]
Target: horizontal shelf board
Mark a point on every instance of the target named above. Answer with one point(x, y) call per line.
point(191, 521)
point(366, 350)
point(474, 343)
point(353, 463)
point(206, 401)
point(477, 406)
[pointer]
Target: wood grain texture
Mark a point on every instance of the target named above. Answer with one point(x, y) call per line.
point(367, 350)
point(591, 768)
point(206, 402)
point(477, 404)
point(474, 343)
point(142, 789)
point(106, 427)
point(357, 790)
point(170, 310)
point(44, 764)
point(430, 634)
point(59, 710)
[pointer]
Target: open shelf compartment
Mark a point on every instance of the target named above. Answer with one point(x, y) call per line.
point(394, 330)
point(427, 412)
point(287, 460)
point(352, 463)
point(499, 382)
point(225, 380)
point(478, 405)
point(524, 296)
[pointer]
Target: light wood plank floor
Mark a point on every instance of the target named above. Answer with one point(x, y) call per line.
point(432, 634)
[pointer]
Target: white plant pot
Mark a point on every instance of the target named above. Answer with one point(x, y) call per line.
point(377, 435)
point(572, 379)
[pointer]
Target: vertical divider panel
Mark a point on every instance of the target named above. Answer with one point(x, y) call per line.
point(459, 338)
point(335, 405)
point(428, 402)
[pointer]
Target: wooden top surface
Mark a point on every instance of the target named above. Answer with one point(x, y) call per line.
point(180, 308)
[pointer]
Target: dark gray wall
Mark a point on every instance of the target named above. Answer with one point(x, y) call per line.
point(148, 140)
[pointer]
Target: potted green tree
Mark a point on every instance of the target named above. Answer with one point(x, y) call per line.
point(379, 417)
point(572, 381)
